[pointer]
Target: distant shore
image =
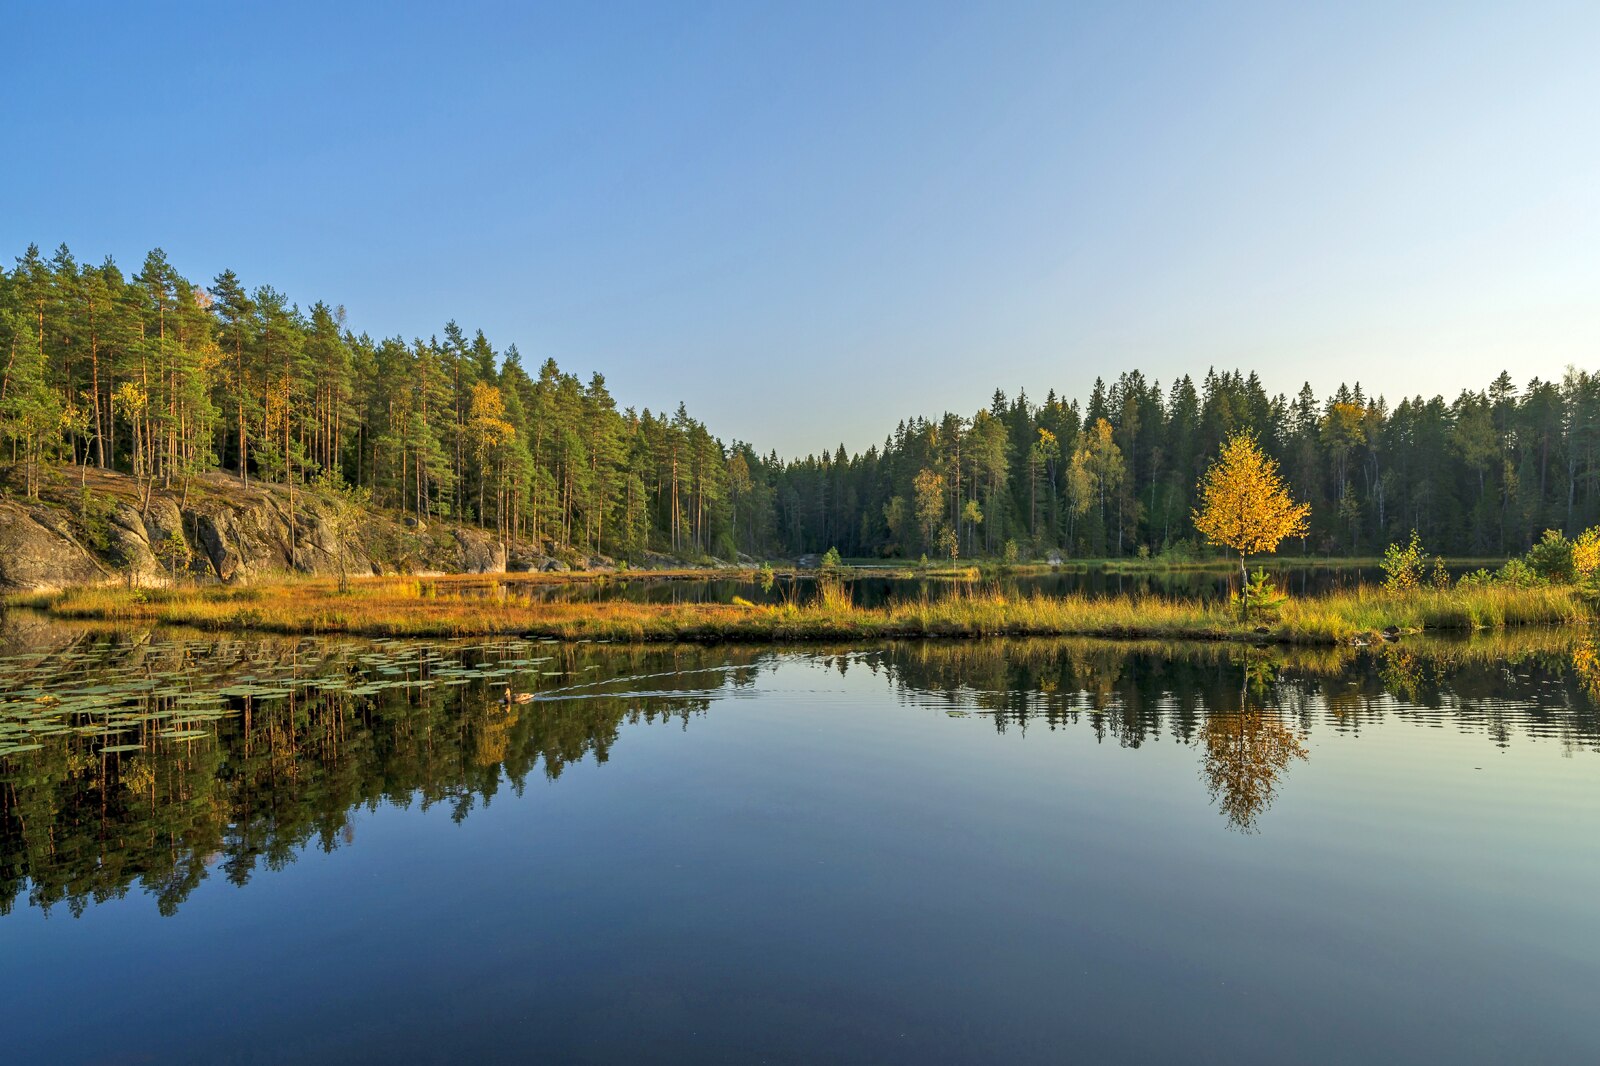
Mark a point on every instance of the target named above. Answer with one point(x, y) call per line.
point(466, 607)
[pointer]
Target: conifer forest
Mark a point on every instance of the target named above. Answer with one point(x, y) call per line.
point(162, 377)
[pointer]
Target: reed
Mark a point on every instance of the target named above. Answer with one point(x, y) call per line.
point(411, 606)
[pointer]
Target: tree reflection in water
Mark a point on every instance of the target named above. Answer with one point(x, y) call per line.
point(1248, 749)
point(141, 760)
point(1245, 752)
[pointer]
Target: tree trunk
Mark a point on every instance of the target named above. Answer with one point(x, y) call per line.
point(1244, 588)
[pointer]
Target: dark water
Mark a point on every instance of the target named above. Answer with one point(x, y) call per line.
point(334, 851)
point(870, 589)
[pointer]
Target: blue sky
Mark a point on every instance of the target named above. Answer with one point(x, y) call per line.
point(810, 220)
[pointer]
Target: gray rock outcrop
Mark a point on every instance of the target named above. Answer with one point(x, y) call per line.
point(223, 531)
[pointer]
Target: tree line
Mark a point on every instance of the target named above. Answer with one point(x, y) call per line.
point(1119, 474)
point(163, 378)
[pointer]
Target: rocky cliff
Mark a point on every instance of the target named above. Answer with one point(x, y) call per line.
point(222, 530)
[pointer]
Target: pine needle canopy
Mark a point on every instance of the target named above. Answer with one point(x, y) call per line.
point(1244, 504)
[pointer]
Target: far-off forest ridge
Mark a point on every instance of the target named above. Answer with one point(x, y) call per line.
point(158, 422)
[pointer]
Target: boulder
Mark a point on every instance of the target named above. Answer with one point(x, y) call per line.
point(218, 537)
point(129, 547)
point(39, 553)
point(480, 553)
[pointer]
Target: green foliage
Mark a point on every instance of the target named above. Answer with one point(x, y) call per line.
point(173, 552)
point(1263, 600)
point(1438, 575)
point(1179, 552)
point(156, 376)
point(831, 560)
point(1405, 568)
point(1009, 553)
point(1516, 574)
point(1551, 558)
point(94, 517)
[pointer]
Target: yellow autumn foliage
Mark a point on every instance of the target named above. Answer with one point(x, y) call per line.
point(1244, 504)
point(1586, 554)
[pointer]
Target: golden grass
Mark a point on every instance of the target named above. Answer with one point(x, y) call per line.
point(456, 607)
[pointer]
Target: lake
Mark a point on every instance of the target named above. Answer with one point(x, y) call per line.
point(250, 849)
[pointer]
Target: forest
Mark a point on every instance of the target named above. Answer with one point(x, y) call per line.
point(163, 378)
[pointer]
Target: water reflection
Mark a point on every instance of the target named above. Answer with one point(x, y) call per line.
point(143, 761)
point(1537, 683)
point(1245, 754)
point(870, 588)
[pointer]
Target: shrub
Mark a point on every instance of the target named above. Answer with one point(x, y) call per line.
point(1265, 601)
point(94, 515)
point(1403, 568)
point(1586, 554)
point(1518, 574)
point(1551, 558)
point(1182, 550)
point(173, 552)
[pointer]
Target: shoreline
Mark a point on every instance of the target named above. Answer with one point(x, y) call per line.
point(430, 607)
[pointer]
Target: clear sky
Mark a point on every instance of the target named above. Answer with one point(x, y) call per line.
point(810, 220)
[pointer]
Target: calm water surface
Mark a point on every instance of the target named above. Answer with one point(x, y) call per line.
point(261, 850)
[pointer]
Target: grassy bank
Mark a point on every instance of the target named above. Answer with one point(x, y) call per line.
point(443, 607)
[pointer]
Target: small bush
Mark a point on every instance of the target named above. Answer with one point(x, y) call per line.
point(1519, 575)
point(1551, 558)
point(1180, 551)
point(1404, 568)
point(1438, 576)
point(1265, 600)
point(1586, 555)
point(173, 553)
point(94, 515)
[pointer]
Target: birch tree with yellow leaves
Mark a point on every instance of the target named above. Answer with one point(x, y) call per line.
point(1245, 506)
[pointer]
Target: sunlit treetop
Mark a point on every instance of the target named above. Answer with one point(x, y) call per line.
point(1244, 504)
